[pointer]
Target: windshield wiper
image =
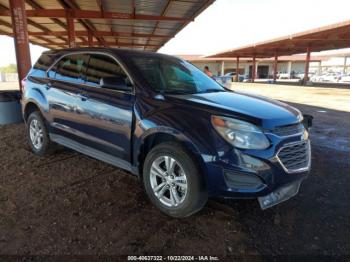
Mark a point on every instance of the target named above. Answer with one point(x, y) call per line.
point(212, 90)
point(178, 92)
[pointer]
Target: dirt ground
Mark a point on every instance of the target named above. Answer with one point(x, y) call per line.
point(71, 204)
point(327, 97)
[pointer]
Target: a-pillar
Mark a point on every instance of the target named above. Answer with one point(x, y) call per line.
point(71, 32)
point(275, 68)
point(20, 32)
point(237, 68)
point(254, 69)
point(307, 65)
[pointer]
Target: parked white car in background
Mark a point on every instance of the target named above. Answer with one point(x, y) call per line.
point(329, 77)
point(345, 79)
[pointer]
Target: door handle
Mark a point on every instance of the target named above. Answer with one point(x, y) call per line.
point(82, 97)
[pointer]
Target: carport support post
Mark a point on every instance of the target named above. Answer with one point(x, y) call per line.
point(307, 65)
point(90, 39)
point(237, 68)
point(20, 32)
point(253, 69)
point(275, 68)
point(345, 65)
point(71, 32)
point(222, 67)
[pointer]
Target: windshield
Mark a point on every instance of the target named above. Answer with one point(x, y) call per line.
point(172, 75)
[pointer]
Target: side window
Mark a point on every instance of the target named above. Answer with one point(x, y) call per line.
point(43, 63)
point(71, 68)
point(178, 78)
point(52, 72)
point(101, 66)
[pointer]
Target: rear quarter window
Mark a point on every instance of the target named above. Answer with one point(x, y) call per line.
point(42, 65)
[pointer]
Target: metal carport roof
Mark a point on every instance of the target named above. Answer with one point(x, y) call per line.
point(137, 24)
point(330, 37)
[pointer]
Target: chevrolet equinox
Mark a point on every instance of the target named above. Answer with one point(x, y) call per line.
point(159, 117)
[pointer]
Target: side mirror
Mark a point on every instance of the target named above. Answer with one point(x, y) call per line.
point(115, 83)
point(307, 122)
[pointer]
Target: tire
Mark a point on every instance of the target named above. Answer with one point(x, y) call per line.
point(44, 146)
point(183, 192)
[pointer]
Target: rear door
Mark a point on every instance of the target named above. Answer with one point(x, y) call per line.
point(106, 115)
point(66, 78)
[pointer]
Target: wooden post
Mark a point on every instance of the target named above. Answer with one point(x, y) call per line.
point(20, 32)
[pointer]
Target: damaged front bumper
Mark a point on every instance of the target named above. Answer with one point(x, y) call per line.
point(279, 195)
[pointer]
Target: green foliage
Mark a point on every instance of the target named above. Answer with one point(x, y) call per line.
point(11, 68)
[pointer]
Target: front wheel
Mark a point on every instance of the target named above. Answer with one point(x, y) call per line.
point(173, 181)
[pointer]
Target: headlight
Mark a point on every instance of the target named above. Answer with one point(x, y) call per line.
point(239, 133)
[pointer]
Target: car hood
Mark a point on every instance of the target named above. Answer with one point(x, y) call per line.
point(264, 111)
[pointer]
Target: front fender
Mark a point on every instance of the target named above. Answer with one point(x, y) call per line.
point(144, 129)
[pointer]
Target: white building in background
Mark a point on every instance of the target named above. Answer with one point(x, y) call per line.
point(287, 65)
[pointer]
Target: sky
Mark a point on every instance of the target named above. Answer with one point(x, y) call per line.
point(229, 24)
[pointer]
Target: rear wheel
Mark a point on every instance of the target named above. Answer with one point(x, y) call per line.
point(38, 136)
point(172, 180)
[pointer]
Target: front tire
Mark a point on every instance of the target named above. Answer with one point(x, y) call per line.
point(173, 181)
point(38, 136)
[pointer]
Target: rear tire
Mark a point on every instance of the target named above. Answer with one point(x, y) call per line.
point(173, 181)
point(38, 136)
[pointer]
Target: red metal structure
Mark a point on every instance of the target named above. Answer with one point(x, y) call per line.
point(275, 67)
point(254, 68)
point(237, 69)
point(330, 37)
point(307, 64)
point(19, 22)
point(137, 24)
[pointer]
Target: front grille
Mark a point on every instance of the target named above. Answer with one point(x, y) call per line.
point(295, 157)
point(288, 130)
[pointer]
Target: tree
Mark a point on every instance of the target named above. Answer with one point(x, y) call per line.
point(11, 68)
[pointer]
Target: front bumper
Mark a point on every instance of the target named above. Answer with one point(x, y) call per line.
point(279, 195)
point(275, 173)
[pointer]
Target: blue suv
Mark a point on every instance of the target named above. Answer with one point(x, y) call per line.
point(162, 119)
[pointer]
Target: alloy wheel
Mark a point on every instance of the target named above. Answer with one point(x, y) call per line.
point(36, 134)
point(168, 181)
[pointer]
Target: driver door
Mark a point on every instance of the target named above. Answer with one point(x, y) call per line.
point(105, 115)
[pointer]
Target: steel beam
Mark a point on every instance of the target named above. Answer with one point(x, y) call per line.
point(307, 65)
point(109, 43)
point(254, 68)
point(90, 14)
point(71, 32)
point(45, 31)
point(100, 33)
point(90, 39)
point(157, 24)
point(19, 22)
point(275, 68)
point(237, 68)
